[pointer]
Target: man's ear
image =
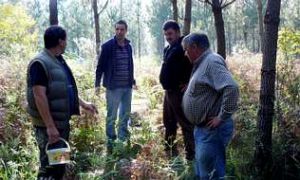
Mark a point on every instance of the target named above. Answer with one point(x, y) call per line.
point(193, 46)
point(60, 41)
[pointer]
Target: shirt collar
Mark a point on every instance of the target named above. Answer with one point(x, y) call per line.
point(126, 41)
point(59, 57)
point(200, 59)
point(49, 53)
point(202, 56)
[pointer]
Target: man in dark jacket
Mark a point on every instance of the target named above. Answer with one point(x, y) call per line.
point(116, 64)
point(52, 98)
point(174, 77)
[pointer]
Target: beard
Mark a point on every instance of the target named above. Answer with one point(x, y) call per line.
point(120, 37)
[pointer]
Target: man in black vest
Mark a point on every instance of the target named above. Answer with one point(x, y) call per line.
point(52, 98)
point(174, 77)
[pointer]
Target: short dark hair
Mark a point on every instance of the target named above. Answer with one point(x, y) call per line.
point(52, 36)
point(171, 24)
point(198, 39)
point(122, 22)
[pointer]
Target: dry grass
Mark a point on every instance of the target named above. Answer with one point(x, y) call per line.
point(246, 67)
point(147, 104)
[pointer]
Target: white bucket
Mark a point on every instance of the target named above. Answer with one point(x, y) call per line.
point(60, 155)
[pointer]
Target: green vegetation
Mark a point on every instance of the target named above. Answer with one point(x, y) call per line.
point(144, 157)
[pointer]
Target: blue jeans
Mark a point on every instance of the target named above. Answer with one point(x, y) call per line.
point(118, 99)
point(210, 147)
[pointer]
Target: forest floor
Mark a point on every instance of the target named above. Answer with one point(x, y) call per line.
point(144, 157)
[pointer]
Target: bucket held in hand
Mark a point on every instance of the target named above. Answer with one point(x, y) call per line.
point(59, 155)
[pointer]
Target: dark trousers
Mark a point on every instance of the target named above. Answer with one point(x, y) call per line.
point(45, 170)
point(173, 113)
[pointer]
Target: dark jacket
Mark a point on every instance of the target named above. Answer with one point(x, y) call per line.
point(176, 68)
point(107, 63)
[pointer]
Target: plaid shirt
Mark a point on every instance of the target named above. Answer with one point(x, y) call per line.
point(211, 91)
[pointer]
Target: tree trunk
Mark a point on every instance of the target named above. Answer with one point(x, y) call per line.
point(160, 43)
point(97, 26)
point(121, 9)
point(263, 153)
point(235, 33)
point(260, 23)
point(139, 29)
point(245, 36)
point(53, 12)
point(220, 31)
point(187, 17)
point(253, 39)
point(258, 42)
point(175, 10)
point(229, 39)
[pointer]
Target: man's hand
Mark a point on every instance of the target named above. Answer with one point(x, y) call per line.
point(213, 122)
point(53, 134)
point(89, 107)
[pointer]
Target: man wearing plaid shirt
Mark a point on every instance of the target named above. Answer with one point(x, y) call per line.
point(209, 102)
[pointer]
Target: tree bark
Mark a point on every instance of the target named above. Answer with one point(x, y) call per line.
point(220, 31)
point(121, 9)
point(260, 23)
point(175, 10)
point(258, 42)
point(97, 26)
point(187, 17)
point(53, 12)
point(217, 6)
point(263, 153)
point(97, 23)
point(253, 39)
point(139, 29)
point(229, 39)
point(235, 33)
point(245, 35)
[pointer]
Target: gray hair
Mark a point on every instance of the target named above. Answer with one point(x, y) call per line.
point(200, 40)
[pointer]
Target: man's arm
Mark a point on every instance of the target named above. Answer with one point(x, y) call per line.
point(223, 82)
point(134, 86)
point(41, 102)
point(228, 107)
point(101, 65)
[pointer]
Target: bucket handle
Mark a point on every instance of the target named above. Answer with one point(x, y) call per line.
point(62, 139)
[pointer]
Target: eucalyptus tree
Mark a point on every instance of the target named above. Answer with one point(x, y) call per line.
point(260, 23)
point(187, 17)
point(263, 153)
point(174, 10)
point(217, 6)
point(96, 21)
point(53, 16)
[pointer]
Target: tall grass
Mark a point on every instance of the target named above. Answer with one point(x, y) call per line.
point(144, 157)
